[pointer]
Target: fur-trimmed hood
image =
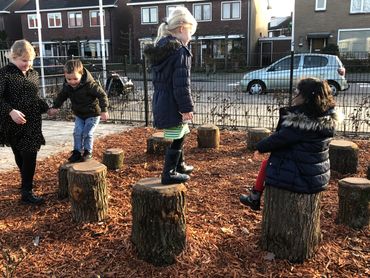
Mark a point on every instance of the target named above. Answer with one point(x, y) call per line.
point(158, 53)
point(299, 120)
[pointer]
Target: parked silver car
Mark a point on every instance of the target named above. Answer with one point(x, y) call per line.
point(277, 76)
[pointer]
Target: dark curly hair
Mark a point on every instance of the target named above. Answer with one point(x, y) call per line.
point(317, 96)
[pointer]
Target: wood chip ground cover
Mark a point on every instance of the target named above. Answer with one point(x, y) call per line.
point(222, 235)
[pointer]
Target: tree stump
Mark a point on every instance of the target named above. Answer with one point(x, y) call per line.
point(354, 202)
point(208, 136)
point(158, 220)
point(368, 172)
point(157, 144)
point(113, 158)
point(63, 180)
point(343, 156)
point(290, 224)
point(88, 191)
point(255, 135)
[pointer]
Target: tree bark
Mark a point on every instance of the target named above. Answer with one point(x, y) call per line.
point(157, 144)
point(88, 191)
point(158, 220)
point(343, 156)
point(354, 202)
point(368, 172)
point(290, 224)
point(208, 136)
point(113, 158)
point(63, 180)
point(255, 135)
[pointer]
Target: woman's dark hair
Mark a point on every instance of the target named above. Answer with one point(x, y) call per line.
point(317, 96)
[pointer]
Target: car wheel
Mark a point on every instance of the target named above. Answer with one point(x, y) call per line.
point(334, 88)
point(256, 88)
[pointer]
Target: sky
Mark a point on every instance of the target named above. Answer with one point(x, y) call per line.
point(281, 7)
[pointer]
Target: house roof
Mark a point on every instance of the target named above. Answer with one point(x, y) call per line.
point(5, 4)
point(279, 22)
point(156, 2)
point(58, 5)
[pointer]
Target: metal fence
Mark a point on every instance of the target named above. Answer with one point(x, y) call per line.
point(219, 99)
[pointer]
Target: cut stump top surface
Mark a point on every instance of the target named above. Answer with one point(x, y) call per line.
point(208, 127)
point(354, 182)
point(88, 166)
point(259, 130)
point(113, 151)
point(154, 184)
point(343, 144)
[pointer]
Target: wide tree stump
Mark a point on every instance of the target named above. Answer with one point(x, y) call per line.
point(63, 180)
point(354, 202)
point(343, 156)
point(88, 191)
point(255, 135)
point(113, 158)
point(157, 144)
point(208, 136)
point(158, 220)
point(290, 224)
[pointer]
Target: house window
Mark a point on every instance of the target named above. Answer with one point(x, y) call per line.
point(32, 21)
point(54, 20)
point(95, 18)
point(202, 12)
point(149, 15)
point(75, 19)
point(170, 8)
point(230, 10)
point(360, 6)
point(354, 43)
point(320, 5)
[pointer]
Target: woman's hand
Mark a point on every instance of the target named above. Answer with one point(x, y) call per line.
point(187, 116)
point(257, 156)
point(52, 112)
point(104, 116)
point(18, 117)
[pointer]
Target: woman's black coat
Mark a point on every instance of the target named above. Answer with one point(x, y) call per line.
point(21, 92)
point(170, 63)
point(299, 160)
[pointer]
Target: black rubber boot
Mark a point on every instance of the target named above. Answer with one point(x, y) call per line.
point(182, 168)
point(169, 174)
point(29, 198)
point(253, 200)
point(75, 157)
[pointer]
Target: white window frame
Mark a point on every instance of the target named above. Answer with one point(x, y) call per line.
point(317, 8)
point(230, 2)
point(361, 10)
point(53, 16)
point(203, 4)
point(171, 6)
point(148, 8)
point(32, 17)
point(75, 12)
point(351, 30)
point(98, 13)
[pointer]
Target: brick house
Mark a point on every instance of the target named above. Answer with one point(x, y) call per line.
point(226, 28)
point(345, 23)
point(73, 27)
point(10, 23)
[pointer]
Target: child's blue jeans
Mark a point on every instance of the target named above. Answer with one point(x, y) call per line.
point(83, 133)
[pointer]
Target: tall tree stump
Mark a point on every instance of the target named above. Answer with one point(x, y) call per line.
point(208, 136)
point(255, 135)
point(157, 144)
point(63, 180)
point(113, 158)
point(343, 156)
point(88, 191)
point(158, 220)
point(290, 224)
point(354, 202)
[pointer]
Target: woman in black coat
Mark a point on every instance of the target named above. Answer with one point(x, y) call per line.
point(299, 159)
point(20, 111)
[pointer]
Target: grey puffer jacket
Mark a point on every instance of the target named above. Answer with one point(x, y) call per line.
point(299, 160)
point(170, 63)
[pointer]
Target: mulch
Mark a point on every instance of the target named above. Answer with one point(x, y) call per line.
point(222, 235)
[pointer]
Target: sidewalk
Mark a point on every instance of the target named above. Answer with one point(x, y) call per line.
point(59, 137)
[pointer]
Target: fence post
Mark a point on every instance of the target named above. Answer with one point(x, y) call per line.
point(146, 98)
